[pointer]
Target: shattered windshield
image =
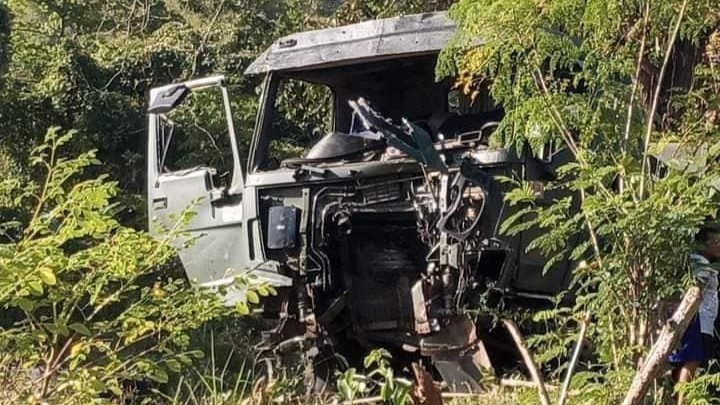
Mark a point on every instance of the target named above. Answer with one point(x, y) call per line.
point(299, 124)
point(329, 130)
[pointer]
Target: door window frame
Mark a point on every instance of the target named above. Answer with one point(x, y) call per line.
point(204, 84)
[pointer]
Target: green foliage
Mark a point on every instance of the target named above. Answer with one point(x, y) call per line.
point(91, 304)
point(553, 347)
point(215, 383)
point(600, 387)
point(304, 113)
point(4, 31)
point(351, 384)
point(92, 70)
point(89, 65)
point(638, 181)
point(360, 10)
point(703, 389)
point(380, 374)
point(393, 390)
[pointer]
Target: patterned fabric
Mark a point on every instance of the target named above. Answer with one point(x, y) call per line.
point(708, 276)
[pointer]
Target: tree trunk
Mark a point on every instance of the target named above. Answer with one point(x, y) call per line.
point(665, 343)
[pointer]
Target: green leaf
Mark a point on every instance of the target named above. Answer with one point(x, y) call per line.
point(173, 365)
point(198, 354)
point(98, 386)
point(115, 390)
point(386, 392)
point(47, 276)
point(159, 375)
point(80, 328)
point(252, 297)
point(262, 290)
point(36, 287)
point(55, 329)
point(184, 359)
point(25, 304)
point(345, 391)
point(242, 308)
point(509, 224)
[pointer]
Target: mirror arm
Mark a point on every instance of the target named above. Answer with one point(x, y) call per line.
point(204, 82)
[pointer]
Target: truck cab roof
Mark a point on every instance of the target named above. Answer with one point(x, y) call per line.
point(417, 34)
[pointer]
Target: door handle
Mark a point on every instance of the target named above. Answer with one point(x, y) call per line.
point(159, 203)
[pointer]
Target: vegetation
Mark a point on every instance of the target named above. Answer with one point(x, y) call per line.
point(92, 306)
point(628, 89)
point(88, 65)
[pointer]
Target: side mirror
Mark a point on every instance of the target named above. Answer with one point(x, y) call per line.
point(168, 100)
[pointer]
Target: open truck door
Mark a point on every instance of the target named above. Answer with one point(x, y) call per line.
point(194, 164)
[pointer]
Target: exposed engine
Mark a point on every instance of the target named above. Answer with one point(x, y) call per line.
point(395, 260)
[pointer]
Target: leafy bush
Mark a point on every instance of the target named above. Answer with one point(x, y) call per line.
point(380, 376)
point(90, 304)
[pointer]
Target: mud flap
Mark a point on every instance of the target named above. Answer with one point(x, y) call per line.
point(458, 355)
point(463, 370)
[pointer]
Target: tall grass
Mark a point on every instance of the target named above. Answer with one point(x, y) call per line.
point(216, 382)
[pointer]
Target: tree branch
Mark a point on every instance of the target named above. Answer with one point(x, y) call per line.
point(665, 343)
point(573, 361)
point(656, 96)
point(636, 81)
point(529, 362)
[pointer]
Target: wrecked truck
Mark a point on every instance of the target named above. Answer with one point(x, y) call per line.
point(378, 229)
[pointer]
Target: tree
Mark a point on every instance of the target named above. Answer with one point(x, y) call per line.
point(4, 32)
point(628, 89)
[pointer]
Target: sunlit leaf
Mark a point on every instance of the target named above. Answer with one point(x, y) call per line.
point(47, 275)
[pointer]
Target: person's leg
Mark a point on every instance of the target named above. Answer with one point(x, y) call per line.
point(683, 374)
point(689, 356)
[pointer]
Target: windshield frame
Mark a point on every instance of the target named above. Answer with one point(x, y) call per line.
point(262, 134)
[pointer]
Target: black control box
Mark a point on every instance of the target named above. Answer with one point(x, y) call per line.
point(282, 227)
